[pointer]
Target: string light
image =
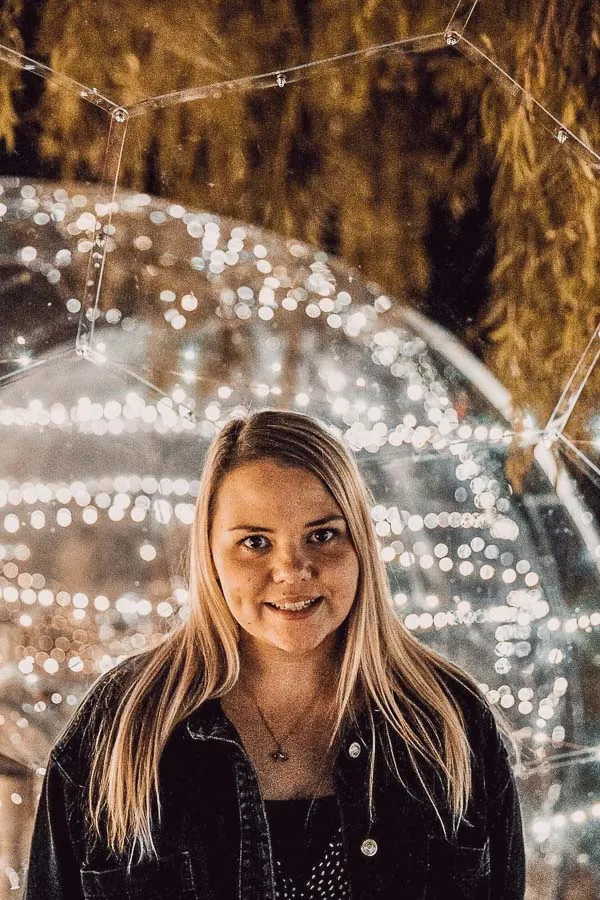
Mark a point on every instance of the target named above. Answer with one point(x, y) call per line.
point(541, 829)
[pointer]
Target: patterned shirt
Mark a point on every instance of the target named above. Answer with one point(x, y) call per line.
point(309, 857)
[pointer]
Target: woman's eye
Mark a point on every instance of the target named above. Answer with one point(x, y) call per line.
point(321, 536)
point(332, 532)
point(253, 537)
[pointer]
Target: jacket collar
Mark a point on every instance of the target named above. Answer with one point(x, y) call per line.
point(209, 721)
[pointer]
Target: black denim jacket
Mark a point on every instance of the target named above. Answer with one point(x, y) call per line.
point(213, 839)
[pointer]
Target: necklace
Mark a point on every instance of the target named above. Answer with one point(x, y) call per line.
point(280, 754)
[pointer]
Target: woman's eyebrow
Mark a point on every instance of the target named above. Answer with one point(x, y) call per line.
point(322, 521)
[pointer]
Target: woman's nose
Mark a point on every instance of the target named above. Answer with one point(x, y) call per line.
point(290, 564)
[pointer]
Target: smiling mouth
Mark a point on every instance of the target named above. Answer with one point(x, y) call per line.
point(295, 607)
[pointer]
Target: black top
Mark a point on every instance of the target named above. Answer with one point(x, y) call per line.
point(308, 853)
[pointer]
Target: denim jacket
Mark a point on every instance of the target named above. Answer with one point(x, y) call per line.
point(213, 839)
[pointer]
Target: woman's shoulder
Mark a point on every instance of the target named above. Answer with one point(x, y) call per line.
point(483, 725)
point(487, 731)
point(463, 690)
point(478, 720)
point(72, 748)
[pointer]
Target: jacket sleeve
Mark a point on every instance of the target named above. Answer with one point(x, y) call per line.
point(53, 872)
point(507, 846)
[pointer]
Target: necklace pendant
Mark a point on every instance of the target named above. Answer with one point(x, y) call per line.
point(279, 755)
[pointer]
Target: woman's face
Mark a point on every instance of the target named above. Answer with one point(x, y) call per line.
point(279, 537)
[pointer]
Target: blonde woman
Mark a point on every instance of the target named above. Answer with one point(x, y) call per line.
point(291, 739)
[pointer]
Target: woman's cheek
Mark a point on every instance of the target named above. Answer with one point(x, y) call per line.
point(344, 553)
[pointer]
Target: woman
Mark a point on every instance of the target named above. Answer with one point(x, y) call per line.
point(291, 739)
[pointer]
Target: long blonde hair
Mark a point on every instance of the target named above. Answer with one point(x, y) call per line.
point(380, 661)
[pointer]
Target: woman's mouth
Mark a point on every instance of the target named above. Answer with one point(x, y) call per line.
point(299, 609)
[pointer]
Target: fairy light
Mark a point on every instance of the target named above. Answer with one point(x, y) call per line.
point(542, 828)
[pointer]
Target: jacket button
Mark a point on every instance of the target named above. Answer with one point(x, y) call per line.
point(354, 749)
point(369, 847)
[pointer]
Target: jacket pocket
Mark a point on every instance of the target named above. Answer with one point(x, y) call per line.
point(165, 878)
point(456, 872)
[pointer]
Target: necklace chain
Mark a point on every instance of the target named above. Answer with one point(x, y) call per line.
point(280, 754)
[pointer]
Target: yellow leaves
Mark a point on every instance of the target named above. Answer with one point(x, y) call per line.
point(589, 219)
point(486, 43)
point(8, 117)
point(132, 63)
point(10, 14)
point(546, 207)
point(10, 82)
point(522, 146)
point(518, 464)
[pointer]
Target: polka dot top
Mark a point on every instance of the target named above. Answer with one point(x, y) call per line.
point(309, 857)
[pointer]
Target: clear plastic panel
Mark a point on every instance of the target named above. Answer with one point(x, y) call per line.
point(93, 531)
point(564, 825)
point(479, 568)
point(321, 162)
point(575, 422)
point(549, 50)
point(158, 53)
point(206, 309)
point(50, 249)
point(548, 114)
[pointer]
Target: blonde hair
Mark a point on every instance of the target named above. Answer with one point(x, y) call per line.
point(381, 662)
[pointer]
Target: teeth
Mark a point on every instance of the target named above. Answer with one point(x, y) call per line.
point(295, 606)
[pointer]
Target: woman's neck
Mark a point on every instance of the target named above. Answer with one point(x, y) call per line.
point(277, 678)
